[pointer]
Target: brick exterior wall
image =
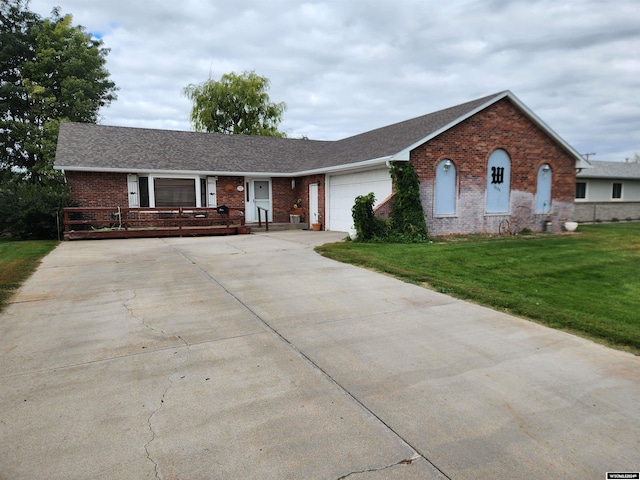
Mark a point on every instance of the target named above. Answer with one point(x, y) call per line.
point(284, 197)
point(102, 189)
point(384, 209)
point(98, 189)
point(468, 145)
point(227, 192)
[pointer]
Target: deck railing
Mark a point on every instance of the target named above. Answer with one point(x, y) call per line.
point(153, 220)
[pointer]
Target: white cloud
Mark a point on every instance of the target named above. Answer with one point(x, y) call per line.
point(347, 67)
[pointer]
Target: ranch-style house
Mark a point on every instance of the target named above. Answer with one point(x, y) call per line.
point(478, 163)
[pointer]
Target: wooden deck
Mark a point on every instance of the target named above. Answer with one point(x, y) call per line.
point(99, 223)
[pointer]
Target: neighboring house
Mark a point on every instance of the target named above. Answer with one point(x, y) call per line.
point(608, 191)
point(478, 163)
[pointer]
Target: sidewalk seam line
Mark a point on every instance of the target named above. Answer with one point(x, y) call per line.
point(303, 355)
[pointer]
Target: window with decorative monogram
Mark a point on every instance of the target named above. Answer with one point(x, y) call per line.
point(498, 182)
point(497, 175)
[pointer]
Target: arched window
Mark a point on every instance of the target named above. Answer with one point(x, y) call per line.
point(498, 182)
point(543, 194)
point(445, 199)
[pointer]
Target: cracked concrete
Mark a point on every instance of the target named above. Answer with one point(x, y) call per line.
point(385, 469)
point(168, 383)
point(253, 357)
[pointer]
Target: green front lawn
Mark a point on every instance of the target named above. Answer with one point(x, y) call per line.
point(587, 283)
point(18, 260)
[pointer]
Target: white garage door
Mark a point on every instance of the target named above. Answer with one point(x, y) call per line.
point(343, 189)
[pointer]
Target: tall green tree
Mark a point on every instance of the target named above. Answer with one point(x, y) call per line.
point(17, 46)
point(51, 71)
point(235, 104)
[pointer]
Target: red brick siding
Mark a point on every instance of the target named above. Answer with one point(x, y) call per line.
point(102, 189)
point(98, 189)
point(227, 192)
point(384, 209)
point(304, 183)
point(469, 145)
point(283, 198)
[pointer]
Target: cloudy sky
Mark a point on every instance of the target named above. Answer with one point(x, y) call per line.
point(344, 67)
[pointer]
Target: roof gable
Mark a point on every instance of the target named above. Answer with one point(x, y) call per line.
point(483, 103)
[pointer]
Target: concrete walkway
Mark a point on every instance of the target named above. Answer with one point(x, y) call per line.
point(253, 357)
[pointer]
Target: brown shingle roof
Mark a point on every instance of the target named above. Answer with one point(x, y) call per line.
point(105, 147)
point(389, 140)
point(98, 147)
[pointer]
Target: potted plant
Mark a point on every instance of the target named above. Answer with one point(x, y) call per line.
point(297, 207)
point(316, 225)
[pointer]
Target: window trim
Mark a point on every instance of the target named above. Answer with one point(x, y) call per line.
point(197, 183)
point(581, 199)
point(613, 191)
point(175, 190)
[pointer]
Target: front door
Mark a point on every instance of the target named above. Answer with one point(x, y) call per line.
point(313, 205)
point(259, 198)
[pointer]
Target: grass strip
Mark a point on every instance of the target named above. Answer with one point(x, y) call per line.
point(18, 260)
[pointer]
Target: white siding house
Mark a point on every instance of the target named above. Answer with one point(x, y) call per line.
point(609, 191)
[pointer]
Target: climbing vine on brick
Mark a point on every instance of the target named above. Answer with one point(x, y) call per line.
point(406, 223)
point(407, 214)
point(368, 226)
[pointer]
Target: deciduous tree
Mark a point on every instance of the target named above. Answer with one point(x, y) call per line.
point(51, 71)
point(235, 104)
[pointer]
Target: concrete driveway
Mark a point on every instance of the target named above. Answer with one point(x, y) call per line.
point(253, 357)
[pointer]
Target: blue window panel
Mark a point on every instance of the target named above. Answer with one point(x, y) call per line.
point(543, 195)
point(445, 188)
point(498, 182)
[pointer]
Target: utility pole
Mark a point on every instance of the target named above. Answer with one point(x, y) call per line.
point(586, 155)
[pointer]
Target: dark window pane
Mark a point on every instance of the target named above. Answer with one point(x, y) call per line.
point(143, 187)
point(617, 190)
point(175, 192)
point(581, 190)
